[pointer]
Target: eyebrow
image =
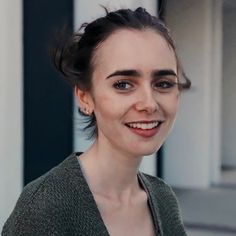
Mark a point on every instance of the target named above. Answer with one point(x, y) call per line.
point(165, 72)
point(135, 73)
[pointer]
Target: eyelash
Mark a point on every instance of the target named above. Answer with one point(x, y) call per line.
point(165, 84)
point(161, 85)
point(122, 82)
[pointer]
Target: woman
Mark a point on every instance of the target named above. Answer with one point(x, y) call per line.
point(127, 79)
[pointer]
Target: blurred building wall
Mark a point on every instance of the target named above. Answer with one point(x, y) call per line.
point(229, 86)
point(48, 100)
point(11, 107)
point(192, 154)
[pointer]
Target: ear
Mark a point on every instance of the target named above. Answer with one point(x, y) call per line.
point(84, 100)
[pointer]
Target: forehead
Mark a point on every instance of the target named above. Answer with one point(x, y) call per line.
point(134, 49)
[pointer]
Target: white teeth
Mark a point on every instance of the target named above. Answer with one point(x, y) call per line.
point(144, 125)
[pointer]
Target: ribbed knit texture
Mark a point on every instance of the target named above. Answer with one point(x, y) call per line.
point(61, 203)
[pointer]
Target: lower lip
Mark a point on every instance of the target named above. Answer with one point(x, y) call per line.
point(146, 133)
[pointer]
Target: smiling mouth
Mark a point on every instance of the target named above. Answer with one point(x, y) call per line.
point(144, 125)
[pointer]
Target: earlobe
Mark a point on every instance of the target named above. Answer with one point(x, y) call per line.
point(84, 100)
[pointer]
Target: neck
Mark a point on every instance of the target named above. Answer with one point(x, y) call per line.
point(111, 172)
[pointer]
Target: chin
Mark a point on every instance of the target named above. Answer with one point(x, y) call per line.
point(145, 152)
point(149, 153)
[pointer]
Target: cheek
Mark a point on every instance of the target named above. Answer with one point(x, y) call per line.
point(175, 108)
point(170, 105)
point(106, 107)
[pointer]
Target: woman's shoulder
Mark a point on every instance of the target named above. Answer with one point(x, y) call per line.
point(55, 181)
point(166, 204)
point(159, 188)
point(46, 201)
point(155, 182)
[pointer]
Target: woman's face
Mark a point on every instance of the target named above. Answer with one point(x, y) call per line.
point(134, 95)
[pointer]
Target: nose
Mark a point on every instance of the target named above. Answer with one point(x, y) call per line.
point(147, 101)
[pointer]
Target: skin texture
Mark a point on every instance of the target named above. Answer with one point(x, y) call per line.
point(139, 95)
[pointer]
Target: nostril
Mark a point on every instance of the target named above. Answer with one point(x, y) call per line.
point(147, 106)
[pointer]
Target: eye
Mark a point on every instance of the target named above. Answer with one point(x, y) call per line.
point(165, 85)
point(122, 85)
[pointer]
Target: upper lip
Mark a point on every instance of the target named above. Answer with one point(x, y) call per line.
point(144, 121)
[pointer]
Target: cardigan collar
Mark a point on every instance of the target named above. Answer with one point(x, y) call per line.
point(90, 206)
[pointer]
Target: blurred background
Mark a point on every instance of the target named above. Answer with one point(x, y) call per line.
point(39, 125)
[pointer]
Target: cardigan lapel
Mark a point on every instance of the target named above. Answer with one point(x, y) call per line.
point(89, 213)
point(153, 203)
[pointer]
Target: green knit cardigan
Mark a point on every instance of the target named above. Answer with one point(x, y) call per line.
point(61, 203)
